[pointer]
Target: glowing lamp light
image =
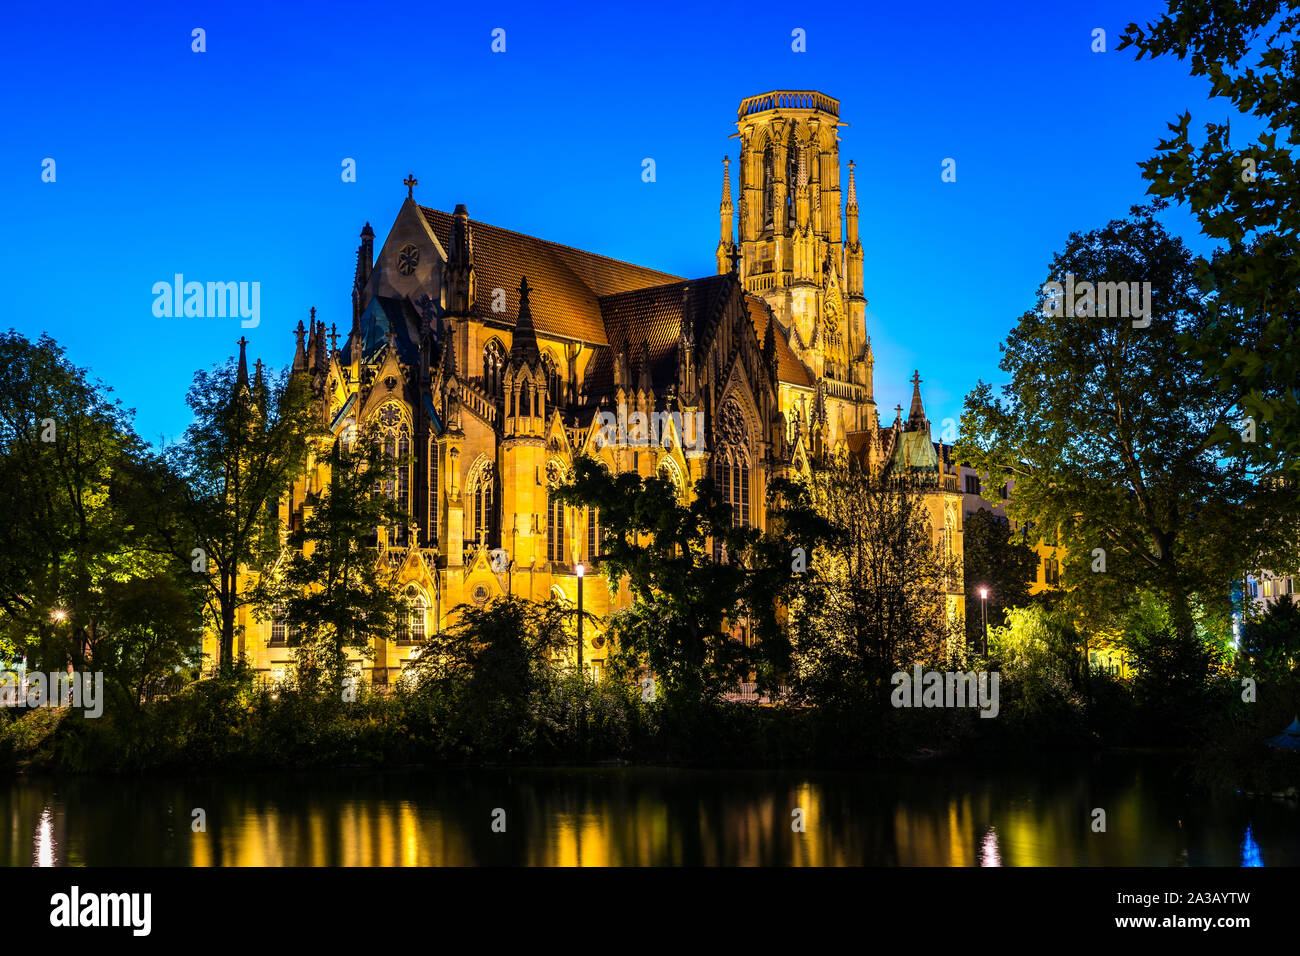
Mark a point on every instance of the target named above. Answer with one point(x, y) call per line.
point(581, 570)
point(984, 593)
point(58, 614)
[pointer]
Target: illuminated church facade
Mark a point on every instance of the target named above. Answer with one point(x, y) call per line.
point(488, 357)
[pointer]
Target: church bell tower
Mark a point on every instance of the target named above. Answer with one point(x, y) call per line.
point(798, 241)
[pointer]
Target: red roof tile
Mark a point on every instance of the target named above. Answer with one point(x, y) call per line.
point(566, 282)
point(789, 368)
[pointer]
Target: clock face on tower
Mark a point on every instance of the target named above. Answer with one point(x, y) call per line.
point(408, 258)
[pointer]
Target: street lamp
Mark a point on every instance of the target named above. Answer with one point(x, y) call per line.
point(984, 618)
point(581, 570)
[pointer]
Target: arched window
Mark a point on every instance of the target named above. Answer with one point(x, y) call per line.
point(769, 190)
point(731, 460)
point(791, 179)
point(555, 530)
point(396, 437)
point(553, 384)
point(494, 361)
point(435, 498)
point(412, 625)
point(482, 506)
point(593, 533)
point(668, 471)
point(731, 475)
point(731, 464)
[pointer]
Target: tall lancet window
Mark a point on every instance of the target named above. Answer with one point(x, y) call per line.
point(731, 464)
point(554, 513)
point(482, 506)
point(553, 383)
point(769, 187)
point(435, 497)
point(395, 436)
point(494, 362)
point(791, 179)
point(555, 530)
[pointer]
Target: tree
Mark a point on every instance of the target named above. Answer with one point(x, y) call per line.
point(686, 605)
point(335, 589)
point(1273, 635)
point(150, 634)
point(1110, 431)
point(994, 557)
point(237, 460)
point(877, 601)
point(1248, 196)
point(490, 667)
point(67, 454)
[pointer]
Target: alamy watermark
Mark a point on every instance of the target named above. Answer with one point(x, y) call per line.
point(642, 430)
point(75, 908)
point(1102, 300)
point(946, 689)
point(213, 300)
point(56, 689)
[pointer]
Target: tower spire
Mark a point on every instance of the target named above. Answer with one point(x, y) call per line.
point(300, 353)
point(523, 348)
point(916, 420)
point(241, 375)
point(727, 244)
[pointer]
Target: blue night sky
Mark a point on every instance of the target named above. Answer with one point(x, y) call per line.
point(225, 165)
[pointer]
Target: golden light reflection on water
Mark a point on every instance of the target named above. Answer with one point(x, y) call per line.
point(635, 817)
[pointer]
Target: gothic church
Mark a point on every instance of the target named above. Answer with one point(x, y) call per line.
point(487, 356)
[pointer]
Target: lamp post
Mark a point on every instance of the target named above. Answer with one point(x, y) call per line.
point(582, 677)
point(984, 618)
point(581, 570)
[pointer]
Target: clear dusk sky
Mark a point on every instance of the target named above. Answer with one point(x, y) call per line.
point(225, 165)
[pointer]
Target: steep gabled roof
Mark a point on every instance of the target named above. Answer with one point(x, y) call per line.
point(568, 282)
point(653, 318)
point(789, 368)
point(383, 313)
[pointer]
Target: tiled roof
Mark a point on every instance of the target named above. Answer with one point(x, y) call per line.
point(789, 368)
point(654, 317)
point(567, 282)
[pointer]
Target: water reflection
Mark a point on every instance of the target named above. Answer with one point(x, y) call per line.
point(44, 851)
point(926, 816)
point(1250, 855)
point(989, 851)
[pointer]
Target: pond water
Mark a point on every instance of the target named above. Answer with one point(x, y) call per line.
point(927, 815)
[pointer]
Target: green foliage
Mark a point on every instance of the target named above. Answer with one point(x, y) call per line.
point(222, 482)
point(1110, 432)
point(335, 590)
point(1273, 635)
point(1247, 194)
point(996, 558)
point(1175, 670)
point(685, 605)
point(874, 600)
point(490, 670)
point(148, 638)
point(1042, 651)
point(66, 454)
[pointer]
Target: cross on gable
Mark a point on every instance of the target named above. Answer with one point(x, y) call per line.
point(916, 378)
point(410, 182)
point(243, 341)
